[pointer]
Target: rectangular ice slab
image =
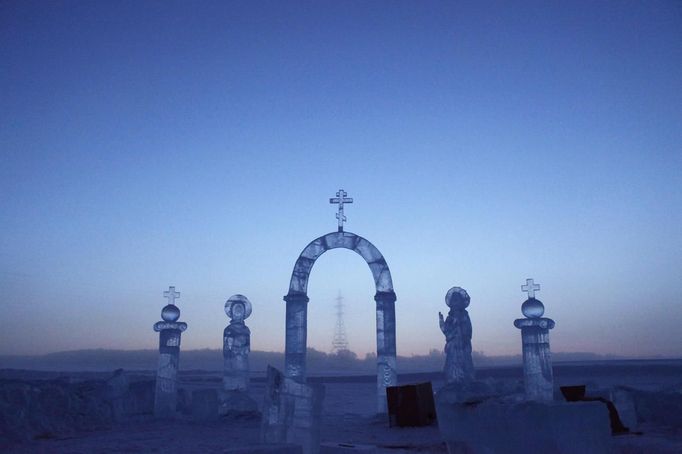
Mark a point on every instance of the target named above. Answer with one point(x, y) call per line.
point(346, 448)
point(493, 426)
point(658, 407)
point(267, 449)
point(291, 412)
point(411, 405)
point(205, 405)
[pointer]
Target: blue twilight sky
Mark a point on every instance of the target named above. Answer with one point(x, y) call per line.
point(154, 143)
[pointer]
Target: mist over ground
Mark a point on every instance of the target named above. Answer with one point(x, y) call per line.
point(211, 359)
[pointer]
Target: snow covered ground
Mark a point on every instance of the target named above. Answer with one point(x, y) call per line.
point(349, 415)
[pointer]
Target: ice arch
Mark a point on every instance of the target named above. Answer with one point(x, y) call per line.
point(297, 308)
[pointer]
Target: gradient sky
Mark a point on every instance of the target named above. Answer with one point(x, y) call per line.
point(145, 144)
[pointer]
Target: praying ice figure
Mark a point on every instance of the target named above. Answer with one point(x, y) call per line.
point(236, 344)
point(459, 366)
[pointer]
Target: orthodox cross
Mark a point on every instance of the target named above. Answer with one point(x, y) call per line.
point(341, 199)
point(171, 294)
point(530, 287)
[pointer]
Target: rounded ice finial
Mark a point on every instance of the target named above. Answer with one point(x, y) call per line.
point(170, 313)
point(238, 308)
point(457, 298)
point(533, 308)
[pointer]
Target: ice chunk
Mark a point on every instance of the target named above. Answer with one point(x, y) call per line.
point(237, 402)
point(659, 407)
point(494, 425)
point(291, 412)
point(346, 448)
point(624, 402)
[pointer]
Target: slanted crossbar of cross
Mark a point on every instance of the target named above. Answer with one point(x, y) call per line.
point(340, 199)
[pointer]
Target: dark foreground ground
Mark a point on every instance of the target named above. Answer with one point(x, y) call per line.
point(348, 415)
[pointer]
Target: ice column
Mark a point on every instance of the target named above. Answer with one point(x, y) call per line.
point(169, 330)
point(537, 361)
point(296, 336)
point(236, 344)
point(459, 365)
point(386, 352)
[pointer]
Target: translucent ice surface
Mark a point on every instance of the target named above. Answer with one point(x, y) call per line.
point(532, 308)
point(297, 304)
point(537, 360)
point(236, 345)
point(170, 313)
point(341, 199)
point(531, 287)
point(459, 366)
point(170, 332)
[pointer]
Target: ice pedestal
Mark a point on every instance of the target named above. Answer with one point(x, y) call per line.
point(296, 336)
point(497, 426)
point(291, 412)
point(170, 330)
point(165, 397)
point(387, 374)
point(537, 360)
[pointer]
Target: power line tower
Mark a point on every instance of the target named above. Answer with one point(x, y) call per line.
point(340, 341)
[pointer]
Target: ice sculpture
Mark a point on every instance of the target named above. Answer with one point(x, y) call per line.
point(297, 304)
point(459, 366)
point(236, 344)
point(537, 361)
point(165, 397)
point(341, 199)
point(297, 309)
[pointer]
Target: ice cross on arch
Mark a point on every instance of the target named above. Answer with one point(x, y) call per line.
point(341, 199)
point(531, 287)
point(171, 294)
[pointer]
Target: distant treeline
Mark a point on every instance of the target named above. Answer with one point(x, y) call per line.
point(206, 359)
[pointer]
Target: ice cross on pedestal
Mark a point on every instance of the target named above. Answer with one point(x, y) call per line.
point(530, 288)
point(170, 330)
point(341, 199)
point(537, 358)
point(171, 294)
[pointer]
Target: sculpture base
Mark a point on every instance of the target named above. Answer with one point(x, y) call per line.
point(495, 425)
point(292, 412)
point(236, 402)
